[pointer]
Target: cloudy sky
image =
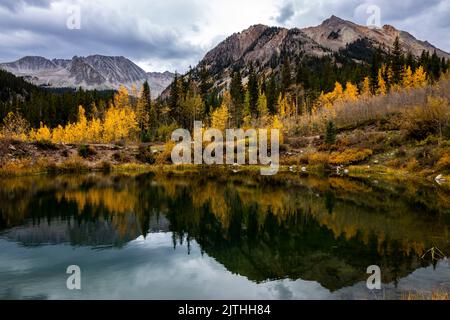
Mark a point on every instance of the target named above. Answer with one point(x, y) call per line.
point(173, 34)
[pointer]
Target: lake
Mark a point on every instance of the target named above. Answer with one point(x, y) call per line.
point(198, 235)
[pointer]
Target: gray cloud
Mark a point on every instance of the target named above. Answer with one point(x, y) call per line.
point(13, 5)
point(174, 34)
point(286, 12)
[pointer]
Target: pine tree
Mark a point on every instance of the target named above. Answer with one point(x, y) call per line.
point(330, 134)
point(262, 105)
point(374, 67)
point(237, 95)
point(271, 93)
point(146, 113)
point(286, 76)
point(253, 91)
point(174, 99)
point(397, 61)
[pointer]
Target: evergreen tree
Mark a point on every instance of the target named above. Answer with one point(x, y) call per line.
point(237, 96)
point(397, 62)
point(330, 134)
point(374, 67)
point(272, 94)
point(253, 91)
point(286, 76)
point(174, 100)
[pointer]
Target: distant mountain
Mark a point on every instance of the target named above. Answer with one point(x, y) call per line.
point(92, 72)
point(265, 47)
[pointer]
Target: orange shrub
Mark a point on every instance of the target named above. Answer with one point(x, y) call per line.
point(350, 156)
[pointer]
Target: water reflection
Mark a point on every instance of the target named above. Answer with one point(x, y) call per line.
point(201, 236)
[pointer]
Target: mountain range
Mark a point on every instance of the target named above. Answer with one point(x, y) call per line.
point(264, 46)
point(92, 72)
point(260, 45)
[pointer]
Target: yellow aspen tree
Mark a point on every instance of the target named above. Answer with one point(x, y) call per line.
point(79, 129)
point(58, 135)
point(122, 98)
point(338, 92)
point(365, 90)
point(15, 126)
point(94, 130)
point(220, 117)
point(390, 78)
point(119, 124)
point(43, 134)
point(351, 92)
point(277, 124)
point(407, 78)
point(382, 90)
point(420, 78)
point(281, 106)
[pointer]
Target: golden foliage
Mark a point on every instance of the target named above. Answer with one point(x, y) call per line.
point(349, 156)
point(220, 117)
point(14, 127)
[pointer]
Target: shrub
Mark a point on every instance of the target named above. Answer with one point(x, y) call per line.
point(164, 132)
point(73, 165)
point(46, 145)
point(318, 158)
point(121, 156)
point(350, 156)
point(86, 151)
point(105, 166)
point(165, 157)
point(430, 119)
point(412, 165)
point(444, 162)
point(145, 154)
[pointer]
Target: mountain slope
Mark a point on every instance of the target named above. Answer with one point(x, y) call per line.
point(335, 33)
point(92, 72)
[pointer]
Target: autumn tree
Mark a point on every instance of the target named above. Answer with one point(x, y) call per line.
point(15, 126)
point(220, 117)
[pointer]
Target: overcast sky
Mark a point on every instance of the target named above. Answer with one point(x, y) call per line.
point(171, 35)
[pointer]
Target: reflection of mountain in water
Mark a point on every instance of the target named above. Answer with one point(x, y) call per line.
point(325, 230)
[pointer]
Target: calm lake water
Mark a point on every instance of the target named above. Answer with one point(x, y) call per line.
point(198, 236)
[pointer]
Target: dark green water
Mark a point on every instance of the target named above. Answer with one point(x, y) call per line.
point(202, 237)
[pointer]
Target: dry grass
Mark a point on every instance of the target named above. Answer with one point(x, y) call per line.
point(434, 295)
point(366, 110)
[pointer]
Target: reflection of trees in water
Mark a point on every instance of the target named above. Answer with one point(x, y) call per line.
point(328, 230)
